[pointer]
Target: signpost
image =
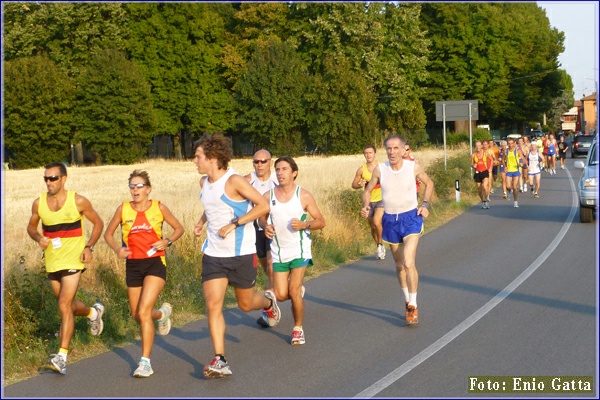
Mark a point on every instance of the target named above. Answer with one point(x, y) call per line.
point(457, 111)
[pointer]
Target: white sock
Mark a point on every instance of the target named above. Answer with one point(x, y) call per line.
point(145, 359)
point(406, 295)
point(412, 299)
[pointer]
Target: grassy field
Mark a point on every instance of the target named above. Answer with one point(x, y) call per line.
point(30, 313)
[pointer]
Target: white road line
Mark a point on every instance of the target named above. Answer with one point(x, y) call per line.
point(477, 315)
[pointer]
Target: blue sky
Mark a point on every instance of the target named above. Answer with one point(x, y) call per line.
point(579, 21)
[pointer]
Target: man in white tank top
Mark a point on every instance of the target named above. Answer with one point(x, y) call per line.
point(289, 230)
point(230, 245)
point(263, 179)
point(403, 217)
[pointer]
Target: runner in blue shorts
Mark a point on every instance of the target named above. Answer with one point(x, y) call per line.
point(403, 217)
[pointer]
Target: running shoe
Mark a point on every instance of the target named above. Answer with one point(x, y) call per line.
point(217, 369)
point(412, 315)
point(525, 188)
point(298, 336)
point(380, 252)
point(516, 204)
point(97, 326)
point(537, 196)
point(57, 363)
point(144, 370)
point(492, 190)
point(164, 324)
point(273, 313)
point(504, 195)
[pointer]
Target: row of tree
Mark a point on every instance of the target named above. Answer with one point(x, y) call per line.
point(284, 76)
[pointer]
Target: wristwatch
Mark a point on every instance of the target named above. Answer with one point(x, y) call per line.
point(170, 242)
point(90, 247)
point(235, 222)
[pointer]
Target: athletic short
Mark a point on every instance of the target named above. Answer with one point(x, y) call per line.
point(374, 205)
point(58, 275)
point(534, 173)
point(396, 227)
point(263, 245)
point(495, 170)
point(295, 263)
point(550, 152)
point(137, 270)
point(240, 271)
point(562, 155)
point(481, 175)
point(502, 169)
point(513, 174)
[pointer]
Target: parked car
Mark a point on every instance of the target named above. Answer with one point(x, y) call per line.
point(588, 184)
point(535, 133)
point(581, 145)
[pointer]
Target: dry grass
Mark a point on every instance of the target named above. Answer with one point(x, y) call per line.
point(175, 183)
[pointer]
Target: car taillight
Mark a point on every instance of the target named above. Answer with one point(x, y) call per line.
point(577, 145)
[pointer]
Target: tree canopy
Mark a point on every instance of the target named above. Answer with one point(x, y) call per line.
point(290, 77)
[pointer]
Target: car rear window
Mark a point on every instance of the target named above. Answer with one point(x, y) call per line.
point(585, 139)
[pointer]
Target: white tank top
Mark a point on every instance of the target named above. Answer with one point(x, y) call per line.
point(263, 186)
point(534, 163)
point(398, 187)
point(220, 210)
point(288, 244)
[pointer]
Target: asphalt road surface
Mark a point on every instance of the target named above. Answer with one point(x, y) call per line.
point(502, 292)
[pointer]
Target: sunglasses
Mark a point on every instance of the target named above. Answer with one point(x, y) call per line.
point(52, 178)
point(263, 161)
point(136, 185)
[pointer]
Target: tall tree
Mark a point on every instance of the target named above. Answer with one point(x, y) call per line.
point(503, 54)
point(561, 104)
point(114, 116)
point(270, 96)
point(38, 97)
point(69, 33)
point(179, 46)
point(340, 110)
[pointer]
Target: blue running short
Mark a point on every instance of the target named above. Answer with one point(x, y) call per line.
point(396, 227)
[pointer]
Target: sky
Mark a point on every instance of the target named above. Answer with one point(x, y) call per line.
point(579, 21)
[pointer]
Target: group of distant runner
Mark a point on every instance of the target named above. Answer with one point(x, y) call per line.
point(520, 163)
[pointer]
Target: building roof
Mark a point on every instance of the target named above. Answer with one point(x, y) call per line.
point(589, 97)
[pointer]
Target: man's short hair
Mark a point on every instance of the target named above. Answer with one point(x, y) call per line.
point(60, 165)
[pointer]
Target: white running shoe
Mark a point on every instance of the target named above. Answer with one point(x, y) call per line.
point(97, 326)
point(144, 370)
point(164, 324)
point(516, 204)
point(298, 336)
point(380, 252)
point(273, 313)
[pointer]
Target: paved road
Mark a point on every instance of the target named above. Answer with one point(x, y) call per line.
point(503, 292)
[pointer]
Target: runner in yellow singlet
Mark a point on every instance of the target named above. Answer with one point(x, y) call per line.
point(361, 178)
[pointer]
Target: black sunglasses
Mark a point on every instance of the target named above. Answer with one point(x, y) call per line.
point(52, 178)
point(136, 185)
point(263, 161)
